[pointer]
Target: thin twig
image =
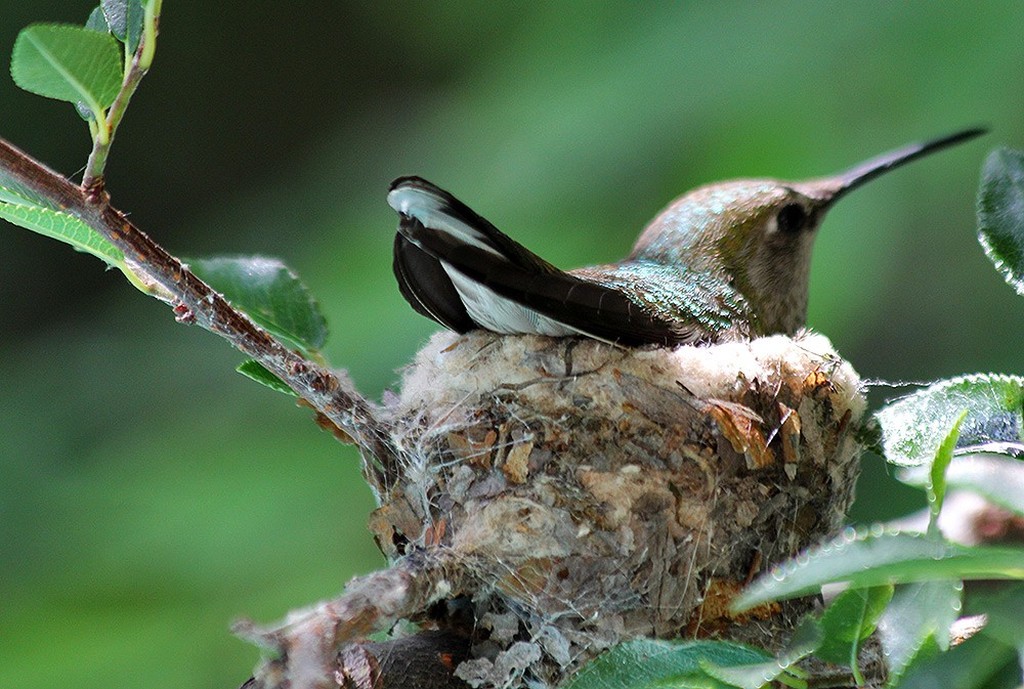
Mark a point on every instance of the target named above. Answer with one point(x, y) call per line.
point(195, 301)
point(137, 67)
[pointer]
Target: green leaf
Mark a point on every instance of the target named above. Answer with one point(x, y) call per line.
point(254, 370)
point(62, 226)
point(978, 663)
point(753, 676)
point(877, 558)
point(97, 21)
point(11, 191)
point(125, 20)
point(1003, 607)
point(999, 479)
point(650, 663)
point(936, 487)
point(848, 620)
point(807, 637)
point(916, 623)
point(914, 427)
point(270, 294)
point(16, 208)
point(68, 63)
point(1001, 214)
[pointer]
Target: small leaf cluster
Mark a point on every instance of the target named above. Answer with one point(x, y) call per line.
point(81, 65)
point(84, 66)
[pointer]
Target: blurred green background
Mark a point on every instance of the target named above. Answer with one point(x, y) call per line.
point(149, 495)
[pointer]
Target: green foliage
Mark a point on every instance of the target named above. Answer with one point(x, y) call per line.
point(936, 484)
point(1003, 606)
point(14, 193)
point(82, 65)
point(915, 626)
point(125, 18)
point(881, 557)
point(270, 293)
point(916, 623)
point(68, 63)
point(652, 663)
point(97, 21)
point(850, 619)
point(61, 226)
point(914, 427)
point(1001, 214)
point(254, 370)
point(978, 663)
point(21, 206)
point(998, 479)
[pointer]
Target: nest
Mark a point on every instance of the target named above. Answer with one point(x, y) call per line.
point(588, 494)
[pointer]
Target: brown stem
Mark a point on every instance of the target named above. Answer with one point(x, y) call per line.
point(195, 301)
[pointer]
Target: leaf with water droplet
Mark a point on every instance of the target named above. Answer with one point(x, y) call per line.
point(650, 663)
point(892, 558)
point(914, 427)
point(916, 623)
point(1001, 214)
point(782, 669)
point(998, 479)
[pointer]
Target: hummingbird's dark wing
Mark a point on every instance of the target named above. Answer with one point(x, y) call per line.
point(457, 268)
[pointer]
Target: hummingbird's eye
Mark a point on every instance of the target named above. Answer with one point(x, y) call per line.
point(791, 219)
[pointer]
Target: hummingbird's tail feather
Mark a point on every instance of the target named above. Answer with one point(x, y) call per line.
point(423, 282)
point(500, 285)
point(437, 209)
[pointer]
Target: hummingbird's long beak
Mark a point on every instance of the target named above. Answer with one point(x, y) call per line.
point(831, 189)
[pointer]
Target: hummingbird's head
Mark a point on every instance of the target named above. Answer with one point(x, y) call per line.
point(757, 234)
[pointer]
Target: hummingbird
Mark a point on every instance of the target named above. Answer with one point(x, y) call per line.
point(725, 261)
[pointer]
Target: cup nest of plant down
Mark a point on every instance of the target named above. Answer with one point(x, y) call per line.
point(556, 496)
point(595, 494)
